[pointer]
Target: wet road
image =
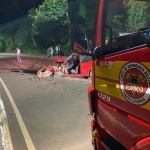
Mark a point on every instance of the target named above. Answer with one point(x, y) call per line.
point(54, 110)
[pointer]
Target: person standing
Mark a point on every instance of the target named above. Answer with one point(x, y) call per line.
point(49, 52)
point(56, 50)
point(59, 51)
point(18, 55)
point(52, 51)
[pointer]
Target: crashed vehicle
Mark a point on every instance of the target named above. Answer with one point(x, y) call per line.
point(83, 69)
point(77, 65)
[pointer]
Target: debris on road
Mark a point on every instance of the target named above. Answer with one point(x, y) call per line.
point(48, 71)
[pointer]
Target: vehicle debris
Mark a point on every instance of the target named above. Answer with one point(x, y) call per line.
point(48, 71)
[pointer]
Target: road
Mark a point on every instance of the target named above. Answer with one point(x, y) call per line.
point(47, 113)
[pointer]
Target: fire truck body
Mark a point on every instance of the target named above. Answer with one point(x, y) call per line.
point(119, 97)
point(120, 92)
point(122, 107)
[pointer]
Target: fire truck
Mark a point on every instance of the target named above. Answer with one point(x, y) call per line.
point(119, 96)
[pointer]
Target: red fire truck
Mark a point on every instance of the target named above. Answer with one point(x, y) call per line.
point(119, 97)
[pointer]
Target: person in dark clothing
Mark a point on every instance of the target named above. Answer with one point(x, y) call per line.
point(59, 51)
point(73, 62)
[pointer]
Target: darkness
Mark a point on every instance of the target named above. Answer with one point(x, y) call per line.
point(11, 9)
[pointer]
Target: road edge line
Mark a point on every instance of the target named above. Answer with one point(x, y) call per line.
point(24, 130)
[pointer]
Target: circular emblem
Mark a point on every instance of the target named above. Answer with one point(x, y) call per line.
point(135, 83)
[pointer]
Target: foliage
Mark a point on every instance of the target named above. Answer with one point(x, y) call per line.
point(48, 26)
point(16, 34)
point(137, 16)
point(22, 36)
point(81, 13)
point(118, 23)
point(51, 12)
point(66, 48)
point(2, 45)
point(50, 23)
point(82, 10)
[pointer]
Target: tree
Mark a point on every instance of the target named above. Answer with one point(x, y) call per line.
point(137, 16)
point(118, 23)
point(50, 20)
point(16, 34)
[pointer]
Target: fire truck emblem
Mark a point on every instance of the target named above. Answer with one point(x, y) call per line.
point(135, 83)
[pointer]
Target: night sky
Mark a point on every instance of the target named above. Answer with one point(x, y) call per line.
point(12, 9)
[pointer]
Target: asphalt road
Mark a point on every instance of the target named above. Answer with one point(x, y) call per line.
point(48, 113)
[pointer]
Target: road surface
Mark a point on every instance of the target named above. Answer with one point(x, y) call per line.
point(53, 112)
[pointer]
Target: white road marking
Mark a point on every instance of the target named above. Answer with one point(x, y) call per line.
point(24, 130)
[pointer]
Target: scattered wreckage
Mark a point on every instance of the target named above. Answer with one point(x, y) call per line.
point(76, 65)
point(48, 71)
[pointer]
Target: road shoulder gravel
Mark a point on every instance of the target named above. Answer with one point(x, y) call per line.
point(5, 138)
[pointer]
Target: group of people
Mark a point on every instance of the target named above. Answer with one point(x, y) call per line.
point(50, 51)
